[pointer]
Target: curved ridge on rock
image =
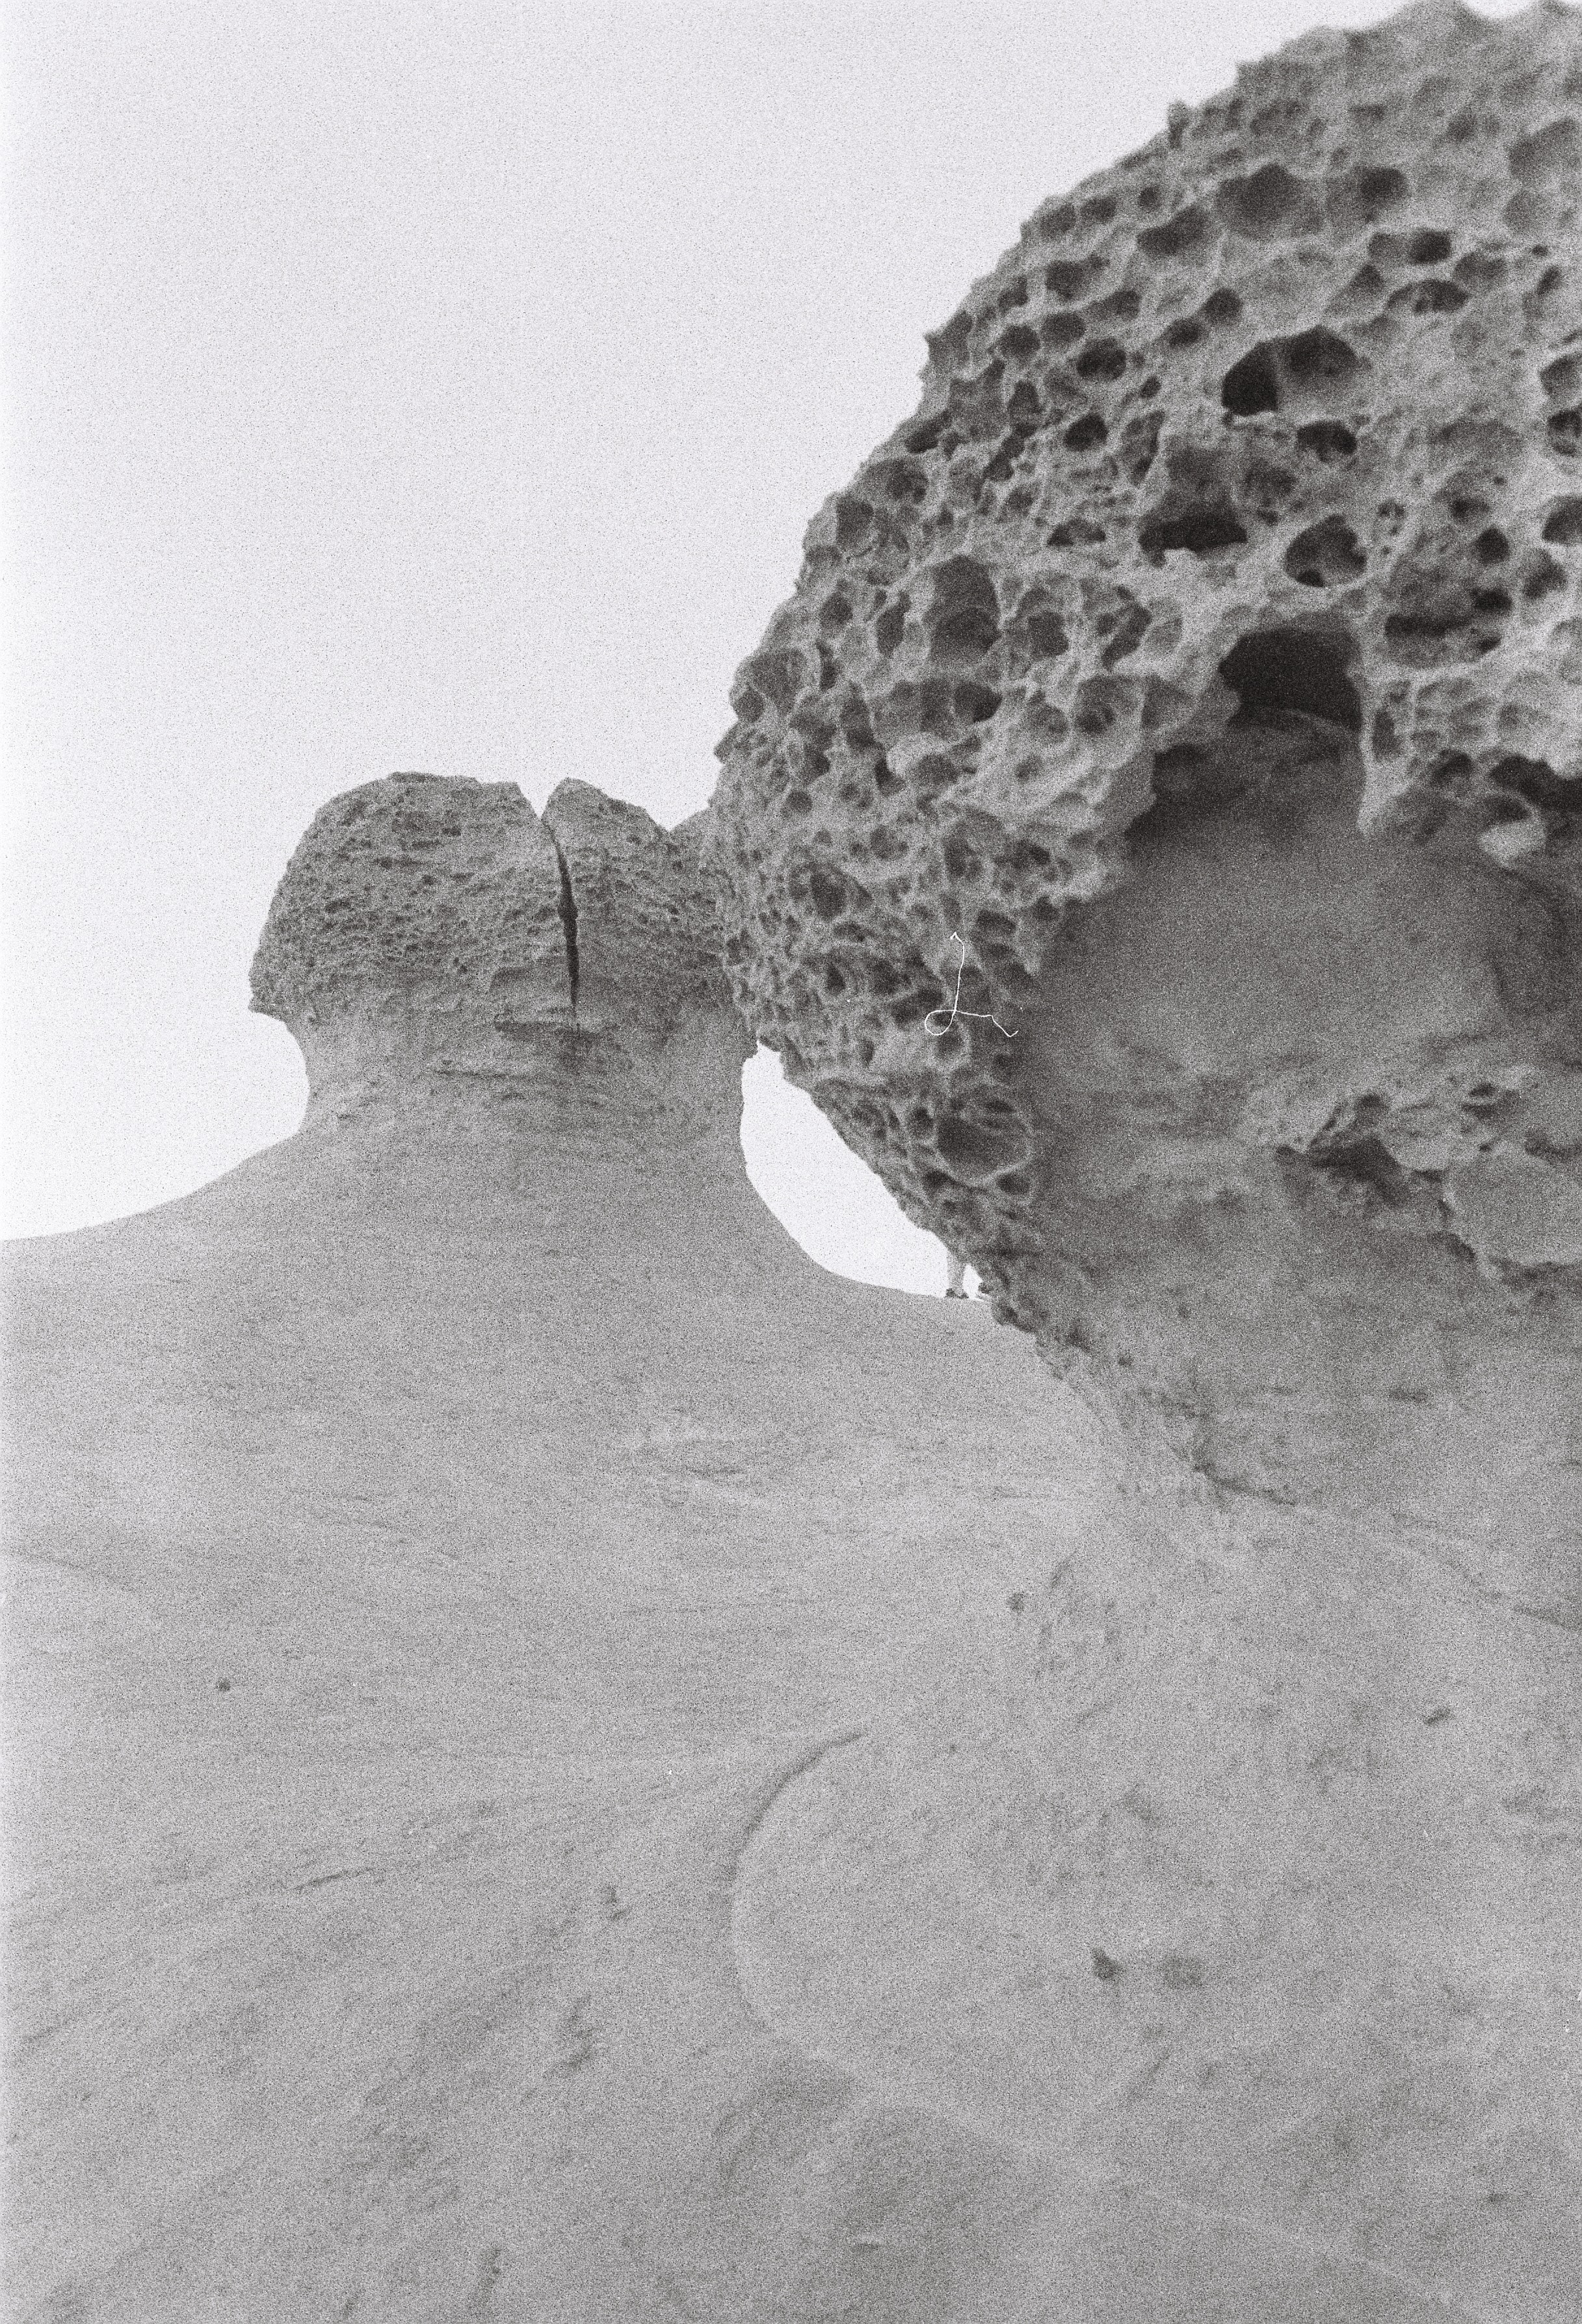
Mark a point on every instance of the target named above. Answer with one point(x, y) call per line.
point(1151, 834)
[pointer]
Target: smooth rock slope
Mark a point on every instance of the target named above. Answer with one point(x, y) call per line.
point(434, 1553)
point(564, 1765)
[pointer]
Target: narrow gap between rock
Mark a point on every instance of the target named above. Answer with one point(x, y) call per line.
point(567, 907)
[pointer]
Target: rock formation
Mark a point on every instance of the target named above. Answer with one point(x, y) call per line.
point(565, 1765)
point(431, 932)
point(432, 1553)
point(1150, 831)
point(1201, 661)
point(1274, 427)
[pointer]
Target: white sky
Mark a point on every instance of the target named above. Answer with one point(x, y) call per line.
point(447, 386)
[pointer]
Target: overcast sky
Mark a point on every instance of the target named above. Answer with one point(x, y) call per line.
point(447, 386)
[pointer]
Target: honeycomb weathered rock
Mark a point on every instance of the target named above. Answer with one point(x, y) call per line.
point(1259, 451)
point(1204, 658)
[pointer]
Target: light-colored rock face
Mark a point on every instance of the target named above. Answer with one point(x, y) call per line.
point(1196, 677)
point(1150, 831)
point(564, 1764)
point(431, 1552)
point(434, 938)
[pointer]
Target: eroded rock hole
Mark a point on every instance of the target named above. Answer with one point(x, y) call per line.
point(1100, 702)
point(777, 678)
point(1325, 555)
point(1268, 203)
point(888, 626)
point(975, 703)
point(1327, 440)
point(1553, 151)
point(1066, 277)
point(1177, 235)
point(1478, 271)
point(1076, 532)
point(1202, 528)
point(1310, 368)
point(1252, 385)
point(1365, 195)
point(963, 618)
point(1363, 1161)
point(1316, 361)
point(1429, 247)
point(1430, 297)
point(977, 1150)
point(827, 893)
point(1086, 434)
point(1294, 670)
point(1535, 781)
point(1104, 359)
point(1043, 632)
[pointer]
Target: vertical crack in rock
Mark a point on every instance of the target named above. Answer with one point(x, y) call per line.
point(567, 920)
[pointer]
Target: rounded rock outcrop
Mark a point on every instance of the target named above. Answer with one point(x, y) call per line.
point(1269, 431)
point(432, 933)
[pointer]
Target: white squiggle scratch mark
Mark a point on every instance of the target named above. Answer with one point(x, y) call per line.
point(983, 1016)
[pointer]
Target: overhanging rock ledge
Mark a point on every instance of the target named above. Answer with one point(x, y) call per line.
point(1207, 642)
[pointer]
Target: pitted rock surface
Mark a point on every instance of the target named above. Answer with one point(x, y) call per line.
point(1262, 443)
point(1203, 657)
point(431, 931)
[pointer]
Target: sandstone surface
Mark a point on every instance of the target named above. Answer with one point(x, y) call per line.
point(1150, 833)
point(563, 1765)
point(433, 1551)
